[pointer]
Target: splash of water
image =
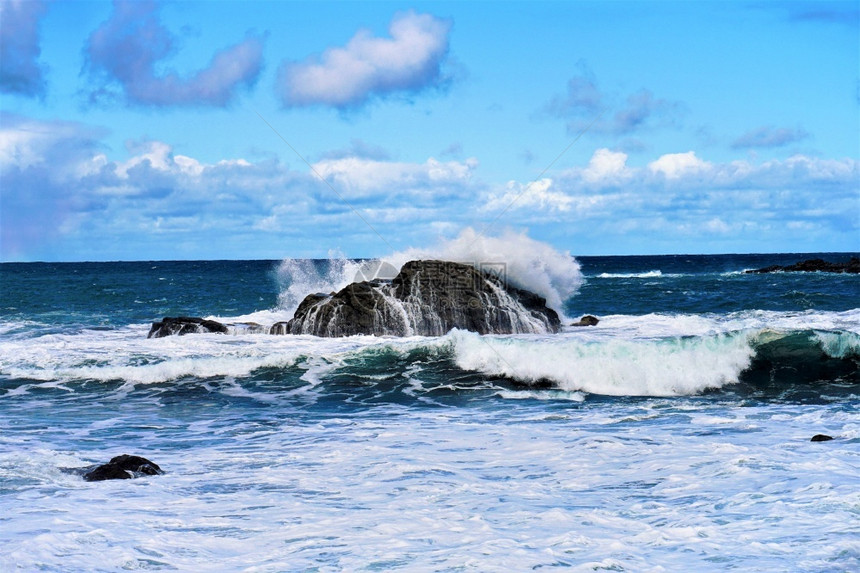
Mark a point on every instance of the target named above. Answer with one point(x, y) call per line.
point(513, 256)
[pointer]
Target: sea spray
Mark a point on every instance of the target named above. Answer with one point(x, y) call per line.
point(298, 278)
point(514, 257)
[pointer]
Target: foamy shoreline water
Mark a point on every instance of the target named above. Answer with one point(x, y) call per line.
point(647, 485)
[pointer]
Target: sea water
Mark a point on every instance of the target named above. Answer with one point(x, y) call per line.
point(673, 436)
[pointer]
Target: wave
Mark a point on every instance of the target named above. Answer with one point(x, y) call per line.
point(672, 366)
point(665, 367)
point(645, 275)
point(684, 355)
point(514, 257)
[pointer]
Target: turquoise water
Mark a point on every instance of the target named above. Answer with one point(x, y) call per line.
point(673, 435)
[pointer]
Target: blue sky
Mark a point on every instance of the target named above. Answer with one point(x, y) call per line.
point(250, 130)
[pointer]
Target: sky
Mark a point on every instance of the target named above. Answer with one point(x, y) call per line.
point(153, 130)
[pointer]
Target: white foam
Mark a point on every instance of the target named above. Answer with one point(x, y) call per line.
point(647, 275)
point(127, 355)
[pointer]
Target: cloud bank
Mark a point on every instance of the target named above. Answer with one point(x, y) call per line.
point(65, 194)
point(802, 203)
point(124, 52)
point(21, 72)
point(409, 61)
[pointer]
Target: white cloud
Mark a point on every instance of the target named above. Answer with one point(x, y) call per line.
point(535, 195)
point(409, 61)
point(150, 199)
point(681, 197)
point(361, 177)
point(189, 165)
point(606, 166)
point(158, 154)
point(677, 165)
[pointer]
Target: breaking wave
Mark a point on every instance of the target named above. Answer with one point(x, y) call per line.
point(673, 366)
point(518, 259)
point(595, 362)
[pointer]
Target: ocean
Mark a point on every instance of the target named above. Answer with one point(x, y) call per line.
point(672, 436)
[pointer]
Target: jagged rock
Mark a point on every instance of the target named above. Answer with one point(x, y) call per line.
point(814, 265)
point(821, 438)
point(279, 328)
point(587, 320)
point(123, 467)
point(426, 298)
point(180, 325)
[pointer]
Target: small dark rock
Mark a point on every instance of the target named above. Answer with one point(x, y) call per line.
point(181, 325)
point(123, 467)
point(821, 438)
point(587, 320)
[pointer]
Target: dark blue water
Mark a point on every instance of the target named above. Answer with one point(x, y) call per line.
point(710, 283)
point(116, 294)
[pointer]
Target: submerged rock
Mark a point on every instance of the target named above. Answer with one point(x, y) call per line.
point(814, 265)
point(426, 298)
point(180, 325)
point(821, 438)
point(587, 320)
point(123, 467)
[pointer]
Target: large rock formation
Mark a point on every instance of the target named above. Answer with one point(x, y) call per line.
point(815, 265)
point(426, 298)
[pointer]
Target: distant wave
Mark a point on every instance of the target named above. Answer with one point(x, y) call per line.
point(647, 275)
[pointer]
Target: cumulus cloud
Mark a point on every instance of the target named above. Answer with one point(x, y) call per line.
point(606, 166)
point(59, 183)
point(64, 191)
point(704, 205)
point(409, 61)
point(362, 177)
point(586, 106)
point(769, 136)
point(124, 52)
point(677, 165)
point(21, 72)
point(67, 195)
point(538, 195)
